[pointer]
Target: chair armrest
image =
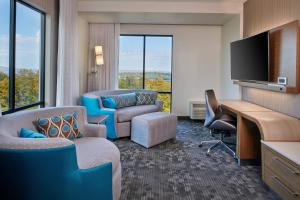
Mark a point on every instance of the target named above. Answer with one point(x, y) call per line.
point(109, 111)
point(94, 130)
point(97, 182)
point(9, 142)
point(160, 104)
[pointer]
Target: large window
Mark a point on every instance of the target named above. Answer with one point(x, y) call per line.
point(21, 56)
point(146, 63)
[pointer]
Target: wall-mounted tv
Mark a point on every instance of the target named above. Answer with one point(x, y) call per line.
point(250, 58)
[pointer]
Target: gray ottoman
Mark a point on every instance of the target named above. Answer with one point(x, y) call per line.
point(153, 128)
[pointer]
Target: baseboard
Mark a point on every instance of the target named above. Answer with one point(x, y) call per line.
point(189, 118)
point(183, 117)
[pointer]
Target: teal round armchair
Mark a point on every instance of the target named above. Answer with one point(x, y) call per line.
point(57, 168)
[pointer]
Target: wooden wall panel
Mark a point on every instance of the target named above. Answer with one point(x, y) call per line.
point(283, 52)
point(259, 16)
point(262, 15)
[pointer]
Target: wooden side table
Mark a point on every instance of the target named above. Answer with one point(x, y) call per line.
point(97, 119)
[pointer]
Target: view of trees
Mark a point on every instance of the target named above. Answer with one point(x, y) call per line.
point(158, 81)
point(27, 88)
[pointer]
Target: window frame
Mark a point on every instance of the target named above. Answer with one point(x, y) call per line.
point(144, 60)
point(12, 58)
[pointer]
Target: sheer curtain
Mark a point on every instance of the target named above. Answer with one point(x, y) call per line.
point(67, 66)
point(106, 35)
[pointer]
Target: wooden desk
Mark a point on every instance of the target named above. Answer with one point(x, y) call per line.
point(242, 106)
point(255, 123)
point(274, 126)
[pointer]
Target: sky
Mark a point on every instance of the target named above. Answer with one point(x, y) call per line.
point(158, 53)
point(28, 23)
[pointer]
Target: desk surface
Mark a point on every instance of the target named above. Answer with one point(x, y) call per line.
point(243, 106)
point(289, 150)
point(275, 126)
point(270, 126)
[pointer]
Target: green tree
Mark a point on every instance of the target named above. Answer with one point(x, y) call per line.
point(27, 87)
point(4, 89)
point(158, 81)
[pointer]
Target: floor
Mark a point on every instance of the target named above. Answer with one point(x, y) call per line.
point(179, 169)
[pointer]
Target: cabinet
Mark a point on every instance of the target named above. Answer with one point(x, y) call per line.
point(281, 173)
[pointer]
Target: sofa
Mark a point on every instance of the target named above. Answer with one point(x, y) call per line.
point(119, 120)
point(57, 168)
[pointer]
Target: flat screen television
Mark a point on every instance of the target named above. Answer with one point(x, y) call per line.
point(250, 58)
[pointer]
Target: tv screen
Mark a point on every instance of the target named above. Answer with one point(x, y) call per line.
point(250, 58)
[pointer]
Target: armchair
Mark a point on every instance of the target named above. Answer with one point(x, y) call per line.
point(57, 168)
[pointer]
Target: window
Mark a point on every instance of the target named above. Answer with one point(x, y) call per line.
point(146, 63)
point(131, 62)
point(21, 56)
point(4, 53)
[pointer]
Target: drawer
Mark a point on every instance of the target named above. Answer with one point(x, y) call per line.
point(282, 167)
point(279, 186)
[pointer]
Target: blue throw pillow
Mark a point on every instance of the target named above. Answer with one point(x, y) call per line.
point(108, 102)
point(26, 133)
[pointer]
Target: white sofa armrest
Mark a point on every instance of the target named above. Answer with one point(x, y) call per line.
point(10, 142)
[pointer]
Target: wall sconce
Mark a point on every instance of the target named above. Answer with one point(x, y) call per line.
point(99, 55)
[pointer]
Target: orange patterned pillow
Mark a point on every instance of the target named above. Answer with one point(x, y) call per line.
point(65, 126)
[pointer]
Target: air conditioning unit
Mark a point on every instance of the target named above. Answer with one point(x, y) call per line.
point(197, 109)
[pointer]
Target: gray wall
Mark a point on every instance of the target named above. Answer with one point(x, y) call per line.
point(230, 33)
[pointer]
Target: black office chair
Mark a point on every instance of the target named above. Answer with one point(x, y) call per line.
point(217, 122)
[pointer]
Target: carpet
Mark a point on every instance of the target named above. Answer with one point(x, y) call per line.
point(179, 170)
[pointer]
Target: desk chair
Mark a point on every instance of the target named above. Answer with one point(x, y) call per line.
point(217, 122)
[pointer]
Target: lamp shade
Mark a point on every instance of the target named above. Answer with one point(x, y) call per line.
point(99, 55)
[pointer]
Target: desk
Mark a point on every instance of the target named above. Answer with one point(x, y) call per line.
point(255, 123)
point(243, 106)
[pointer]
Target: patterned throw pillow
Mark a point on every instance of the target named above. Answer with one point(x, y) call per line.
point(65, 126)
point(145, 98)
point(124, 100)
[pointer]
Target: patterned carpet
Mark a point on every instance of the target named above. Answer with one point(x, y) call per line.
point(180, 170)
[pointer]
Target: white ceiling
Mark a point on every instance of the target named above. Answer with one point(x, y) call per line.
point(203, 12)
point(158, 18)
point(175, 0)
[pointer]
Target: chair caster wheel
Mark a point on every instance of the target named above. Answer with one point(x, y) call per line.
point(207, 154)
point(200, 145)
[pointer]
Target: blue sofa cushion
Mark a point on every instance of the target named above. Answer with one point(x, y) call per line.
point(145, 98)
point(124, 100)
point(65, 126)
point(108, 102)
point(26, 133)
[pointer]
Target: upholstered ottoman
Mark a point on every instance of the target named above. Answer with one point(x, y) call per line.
point(153, 128)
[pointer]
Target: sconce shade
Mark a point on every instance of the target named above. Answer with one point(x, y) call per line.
point(99, 55)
